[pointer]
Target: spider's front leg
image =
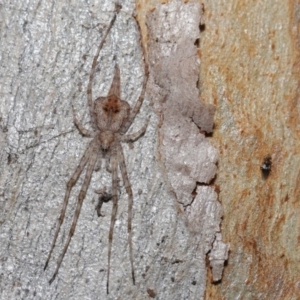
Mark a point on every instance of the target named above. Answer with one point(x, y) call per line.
point(140, 101)
point(93, 70)
point(80, 127)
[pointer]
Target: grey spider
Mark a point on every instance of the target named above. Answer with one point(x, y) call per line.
point(111, 118)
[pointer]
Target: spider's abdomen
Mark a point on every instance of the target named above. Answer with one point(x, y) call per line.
point(111, 112)
point(106, 139)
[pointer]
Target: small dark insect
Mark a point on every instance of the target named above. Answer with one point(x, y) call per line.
point(151, 293)
point(266, 167)
point(103, 197)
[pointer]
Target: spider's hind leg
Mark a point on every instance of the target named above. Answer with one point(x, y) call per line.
point(72, 181)
point(114, 168)
point(81, 196)
point(130, 205)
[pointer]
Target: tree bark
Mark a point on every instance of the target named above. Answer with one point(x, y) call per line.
point(249, 71)
point(47, 52)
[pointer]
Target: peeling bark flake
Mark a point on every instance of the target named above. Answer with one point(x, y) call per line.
point(187, 156)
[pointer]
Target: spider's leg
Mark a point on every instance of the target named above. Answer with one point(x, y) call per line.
point(139, 102)
point(130, 204)
point(114, 166)
point(93, 70)
point(82, 130)
point(134, 136)
point(86, 182)
point(70, 185)
point(108, 165)
point(98, 164)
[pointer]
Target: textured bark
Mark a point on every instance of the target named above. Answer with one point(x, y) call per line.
point(188, 158)
point(46, 55)
point(250, 71)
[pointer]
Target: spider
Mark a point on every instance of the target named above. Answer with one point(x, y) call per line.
point(111, 117)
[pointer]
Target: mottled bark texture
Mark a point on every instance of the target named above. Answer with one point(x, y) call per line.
point(47, 48)
point(250, 71)
point(188, 159)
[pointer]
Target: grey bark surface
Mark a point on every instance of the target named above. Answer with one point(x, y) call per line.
point(188, 158)
point(46, 55)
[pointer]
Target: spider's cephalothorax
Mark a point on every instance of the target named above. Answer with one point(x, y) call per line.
point(111, 118)
point(111, 111)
